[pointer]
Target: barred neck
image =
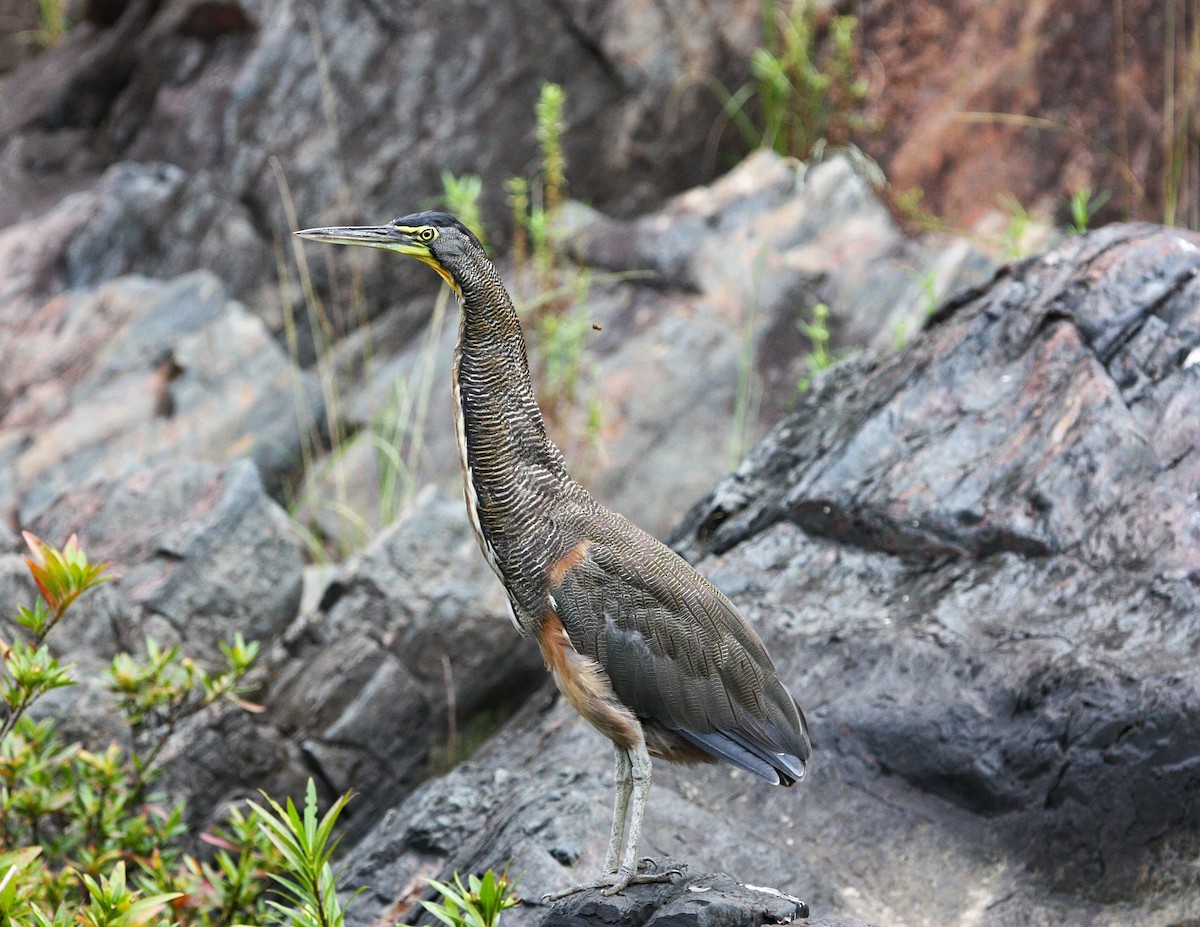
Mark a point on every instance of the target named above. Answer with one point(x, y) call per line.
point(504, 429)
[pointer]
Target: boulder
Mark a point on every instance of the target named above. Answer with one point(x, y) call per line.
point(99, 383)
point(409, 661)
point(689, 901)
point(251, 114)
point(1003, 524)
point(1071, 95)
point(200, 552)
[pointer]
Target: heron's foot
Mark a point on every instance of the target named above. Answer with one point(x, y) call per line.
point(613, 883)
point(624, 879)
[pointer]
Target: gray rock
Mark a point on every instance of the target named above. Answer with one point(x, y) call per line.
point(1001, 526)
point(138, 218)
point(411, 658)
point(537, 801)
point(239, 109)
point(99, 383)
point(201, 551)
point(703, 901)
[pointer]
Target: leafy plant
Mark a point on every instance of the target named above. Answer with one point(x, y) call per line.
point(1013, 237)
point(306, 843)
point(516, 189)
point(551, 102)
point(1084, 205)
point(461, 196)
point(910, 204)
point(112, 904)
point(479, 903)
point(533, 205)
point(820, 357)
point(556, 319)
point(159, 692)
point(806, 83)
point(87, 845)
point(929, 292)
point(53, 24)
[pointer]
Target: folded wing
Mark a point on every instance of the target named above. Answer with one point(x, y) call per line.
point(677, 652)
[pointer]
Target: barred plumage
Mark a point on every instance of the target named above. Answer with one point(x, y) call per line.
point(643, 646)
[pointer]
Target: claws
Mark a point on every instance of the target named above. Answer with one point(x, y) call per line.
point(616, 882)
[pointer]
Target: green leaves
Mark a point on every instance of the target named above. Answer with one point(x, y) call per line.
point(479, 903)
point(462, 195)
point(552, 100)
point(818, 334)
point(30, 669)
point(15, 883)
point(80, 816)
point(114, 905)
point(806, 80)
point(1084, 204)
point(159, 691)
point(304, 840)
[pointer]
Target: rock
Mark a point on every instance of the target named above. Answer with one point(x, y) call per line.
point(536, 800)
point(201, 551)
point(759, 248)
point(1001, 523)
point(411, 659)
point(702, 900)
point(100, 383)
point(250, 115)
point(967, 135)
point(138, 218)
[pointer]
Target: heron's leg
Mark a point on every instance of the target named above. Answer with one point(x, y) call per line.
point(641, 774)
point(636, 770)
point(624, 777)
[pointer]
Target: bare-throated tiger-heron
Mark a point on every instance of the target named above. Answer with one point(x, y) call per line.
point(643, 646)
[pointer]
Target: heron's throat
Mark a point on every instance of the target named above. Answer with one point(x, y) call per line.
point(503, 426)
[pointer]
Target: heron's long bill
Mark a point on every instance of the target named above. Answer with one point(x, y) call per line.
point(372, 236)
point(386, 237)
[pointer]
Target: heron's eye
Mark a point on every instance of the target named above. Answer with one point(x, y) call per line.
point(427, 234)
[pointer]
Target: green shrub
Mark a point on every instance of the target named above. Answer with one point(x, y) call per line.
point(83, 840)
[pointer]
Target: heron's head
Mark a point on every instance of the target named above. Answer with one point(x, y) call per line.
point(434, 238)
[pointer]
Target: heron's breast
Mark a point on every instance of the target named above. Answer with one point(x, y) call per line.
point(470, 496)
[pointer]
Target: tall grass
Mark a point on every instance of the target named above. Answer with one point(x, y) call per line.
point(1181, 116)
point(806, 85)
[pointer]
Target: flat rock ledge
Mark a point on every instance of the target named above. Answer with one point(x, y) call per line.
point(703, 900)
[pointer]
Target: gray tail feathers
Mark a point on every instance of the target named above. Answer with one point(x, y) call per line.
point(776, 767)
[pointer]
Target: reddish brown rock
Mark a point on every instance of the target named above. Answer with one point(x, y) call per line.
point(1077, 94)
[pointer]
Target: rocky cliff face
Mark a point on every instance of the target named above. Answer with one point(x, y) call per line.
point(975, 562)
point(973, 547)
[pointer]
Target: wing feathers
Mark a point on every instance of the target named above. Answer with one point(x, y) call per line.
point(676, 651)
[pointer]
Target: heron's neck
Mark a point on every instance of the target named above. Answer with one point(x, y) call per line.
point(503, 431)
